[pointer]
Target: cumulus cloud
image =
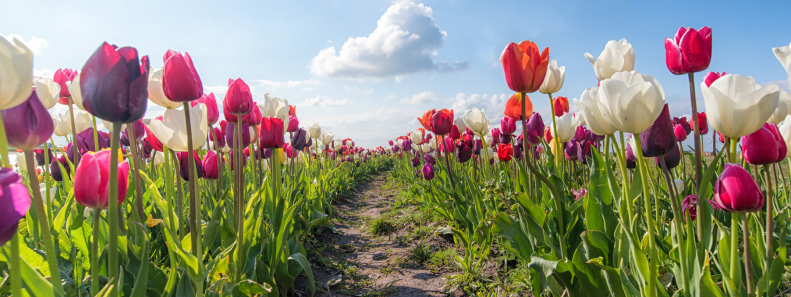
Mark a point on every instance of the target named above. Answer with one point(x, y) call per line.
point(325, 101)
point(35, 44)
point(492, 105)
point(405, 41)
point(420, 98)
point(276, 85)
point(358, 91)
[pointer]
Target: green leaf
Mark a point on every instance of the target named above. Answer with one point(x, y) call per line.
point(300, 258)
point(251, 288)
point(505, 226)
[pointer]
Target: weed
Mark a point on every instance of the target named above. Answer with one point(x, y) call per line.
point(421, 252)
point(381, 226)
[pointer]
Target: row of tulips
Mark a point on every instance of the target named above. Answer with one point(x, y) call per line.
point(600, 203)
point(215, 207)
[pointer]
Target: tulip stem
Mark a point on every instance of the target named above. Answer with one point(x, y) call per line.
point(95, 134)
point(16, 271)
point(748, 270)
point(651, 288)
point(97, 218)
point(112, 211)
point(130, 131)
point(677, 216)
point(74, 133)
point(238, 170)
point(195, 229)
point(554, 128)
point(698, 148)
point(4, 146)
point(447, 163)
point(769, 222)
point(625, 198)
point(43, 223)
point(734, 256)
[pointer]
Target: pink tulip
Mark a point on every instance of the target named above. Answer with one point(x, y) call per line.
point(681, 133)
point(690, 51)
point(764, 146)
point(92, 180)
point(211, 166)
point(212, 112)
point(63, 76)
point(180, 80)
point(736, 191)
point(711, 77)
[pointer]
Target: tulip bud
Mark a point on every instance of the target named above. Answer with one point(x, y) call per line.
point(298, 139)
point(672, 159)
point(92, 180)
point(114, 84)
point(428, 172)
point(548, 135)
point(238, 100)
point(704, 125)
point(513, 107)
point(617, 56)
point(40, 160)
point(63, 77)
point(293, 124)
point(14, 201)
point(28, 125)
point(184, 165)
point(508, 125)
point(680, 133)
point(416, 160)
point(180, 80)
point(736, 191)
point(711, 77)
point(660, 138)
point(584, 151)
point(571, 149)
point(85, 142)
point(578, 193)
point(16, 64)
point(230, 134)
point(764, 146)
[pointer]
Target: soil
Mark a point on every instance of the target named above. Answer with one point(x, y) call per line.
point(348, 260)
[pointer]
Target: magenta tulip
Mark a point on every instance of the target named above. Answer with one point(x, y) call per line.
point(180, 80)
point(690, 51)
point(114, 84)
point(736, 191)
point(63, 76)
point(428, 172)
point(92, 180)
point(293, 124)
point(712, 76)
point(681, 133)
point(690, 205)
point(28, 125)
point(238, 100)
point(212, 112)
point(507, 125)
point(764, 146)
point(211, 166)
point(14, 203)
point(270, 133)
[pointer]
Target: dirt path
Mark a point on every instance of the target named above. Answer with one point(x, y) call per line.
point(372, 249)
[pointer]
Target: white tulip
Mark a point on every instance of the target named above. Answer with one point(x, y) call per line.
point(416, 147)
point(425, 148)
point(52, 192)
point(459, 122)
point(47, 91)
point(432, 143)
point(159, 158)
point(227, 149)
point(62, 128)
point(736, 106)
point(679, 184)
point(21, 162)
point(275, 107)
point(476, 120)
point(337, 143)
point(633, 100)
point(76, 92)
point(783, 55)
point(155, 92)
point(783, 108)
point(617, 56)
point(553, 81)
point(314, 130)
point(172, 129)
point(16, 72)
point(785, 131)
point(416, 136)
point(566, 127)
point(326, 137)
point(109, 125)
point(488, 139)
point(82, 120)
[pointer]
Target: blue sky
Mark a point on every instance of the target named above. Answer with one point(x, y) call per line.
point(394, 60)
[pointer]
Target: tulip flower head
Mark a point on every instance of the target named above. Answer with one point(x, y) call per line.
point(561, 106)
point(617, 56)
point(505, 152)
point(28, 124)
point(238, 100)
point(40, 157)
point(660, 138)
point(566, 127)
point(298, 139)
point(737, 106)
point(513, 107)
point(554, 79)
point(212, 112)
point(14, 201)
point(92, 180)
point(270, 133)
point(508, 125)
point(783, 54)
point(428, 172)
point(184, 165)
point(63, 77)
point(114, 84)
point(425, 120)
point(172, 128)
point(548, 135)
point(785, 131)
point(689, 51)
point(476, 121)
point(47, 90)
point(55, 171)
point(293, 124)
point(275, 107)
point(525, 70)
point(704, 124)
point(765, 146)
point(690, 205)
point(783, 108)
point(680, 132)
point(16, 65)
point(672, 158)
point(315, 131)
point(711, 77)
point(736, 191)
point(578, 193)
point(633, 101)
point(180, 80)
point(442, 122)
point(682, 121)
point(155, 91)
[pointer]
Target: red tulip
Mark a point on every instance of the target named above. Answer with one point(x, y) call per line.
point(92, 180)
point(270, 133)
point(114, 84)
point(180, 80)
point(711, 77)
point(212, 112)
point(211, 165)
point(292, 110)
point(62, 76)
point(152, 139)
point(548, 134)
point(681, 134)
point(764, 146)
point(524, 68)
point(561, 106)
point(454, 134)
point(293, 124)
point(505, 152)
point(442, 122)
point(513, 107)
point(425, 120)
point(736, 191)
point(690, 51)
point(704, 125)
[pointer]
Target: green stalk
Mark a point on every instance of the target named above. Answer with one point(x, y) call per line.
point(447, 162)
point(748, 270)
point(769, 222)
point(698, 147)
point(16, 277)
point(195, 229)
point(625, 199)
point(95, 134)
point(74, 133)
point(734, 265)
point(52, 259)
point(238, 193)
point(97, 218)
point(47, 183)
point(651, 289)
point(4, 147)
point(112, 211)
point(554, 127)
point(140, 214)
point(677, 215)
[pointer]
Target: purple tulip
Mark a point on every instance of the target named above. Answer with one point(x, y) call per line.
point(183, 165)
point(428, 159)
point(571, 149)
point(534, 129)
point(86, 144)
point(114, 84)
point(230, 134)
point(40, 160)
point(660, 138)
point(428, 172)
point(54, 169)
point(672, 159)
point(28, 125)
point(416, 160)
point(14, 203)
point(298, 139)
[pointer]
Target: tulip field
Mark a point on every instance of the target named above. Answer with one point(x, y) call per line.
point(237, 197)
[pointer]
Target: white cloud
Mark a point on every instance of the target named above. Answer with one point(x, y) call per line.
point(391, 97)
point(358, 91)
point(35, 44)
point(492, 105)
point(783, 84)
point(405, 41)
point(382, 124)
point(420, 98)
point(273, 86)
point(48, 73)
point(321, 100)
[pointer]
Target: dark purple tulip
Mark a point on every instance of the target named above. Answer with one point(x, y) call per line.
point(416, 160)
point(428, 159)
point(428, 172)
point(54, 169)
point(571, 149)
point(350, 159)
point(125, 138)
point(114, 84)
point(684, 124)
point(266, 153)
point(147, 149)
point(140, 130)
point(396, 149)
point(631, 158)
point(406, 145)
point(70, 152)
point(14, 203)
point(491, 161)
point(230, 134)
point(505, 138)
point(660, 138)
point(183, 165)
point(477, 147)
point(508, 125)
point(28, 125)
point(535, 128)
point(40, 156)
point(357, 164)
point(298, 139)
point(309, 143)
point(672, 159)
point(518, 152)
point(86, 144)
point(584, 151)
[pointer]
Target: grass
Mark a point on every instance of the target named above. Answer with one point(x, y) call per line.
point(443, 258)
point(381, 226)
point(421, 252)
